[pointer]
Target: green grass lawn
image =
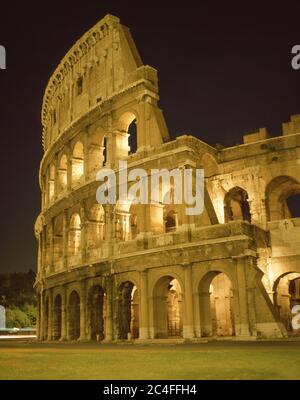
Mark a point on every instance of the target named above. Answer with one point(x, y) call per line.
point(215, 360)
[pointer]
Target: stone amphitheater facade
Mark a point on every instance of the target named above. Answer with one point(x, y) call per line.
point(143, 272)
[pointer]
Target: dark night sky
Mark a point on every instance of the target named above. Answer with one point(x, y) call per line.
point(224, 71)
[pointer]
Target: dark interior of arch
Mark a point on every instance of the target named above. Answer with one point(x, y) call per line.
point(293, 203)
point(132, 130)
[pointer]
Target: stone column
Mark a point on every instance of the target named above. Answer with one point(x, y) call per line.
point(65, 240)
point(205, 314)
point(264, 216)
point(109, 314)
point(38, 320)
point(242, 327)
point(52, 266)
point(56, 180)
point(110, 156)
point(50, 316)
point(41, 315)
point(83, 296)
point(188, 327)
point(64, 301)
point(144, 312)
point(40, 255)
point(83, 232)
point(69, 167)
point(85, 157)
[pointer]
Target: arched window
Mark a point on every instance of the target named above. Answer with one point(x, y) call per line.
point(128, 311)
point(74, 243)
point(128, 142)
point(132, 137)
point(236, 205)
point(62, 173)
point(217, 308)
point(283, 198)
point(77, 163)
point(97, 312)
point(286, 295)
point(170, 221)
point(168, 321)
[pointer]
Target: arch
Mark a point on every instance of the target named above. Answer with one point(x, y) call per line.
point(77, 163)
point(236, 205)
point(96, 226)
point(217, 308)
point(210, 165)
point(96, 312)
point(128, 311)
point(125, 120)
point(286, 292)
point(57, 317)
point(171, 221)
point(63, 173)
point(132, 137)
point(74, 235)
point(74, 316)
point(172, 212)
point(127, 126)
point(278, 193)
point(51, 183)
point(167, 312)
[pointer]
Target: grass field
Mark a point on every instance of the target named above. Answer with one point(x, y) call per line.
point(214, 360)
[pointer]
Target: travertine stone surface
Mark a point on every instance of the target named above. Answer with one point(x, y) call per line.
point(149, 271)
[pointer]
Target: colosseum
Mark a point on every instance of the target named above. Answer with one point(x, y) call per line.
point(138, 272)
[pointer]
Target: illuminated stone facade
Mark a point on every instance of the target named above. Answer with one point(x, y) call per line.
point(150, 271)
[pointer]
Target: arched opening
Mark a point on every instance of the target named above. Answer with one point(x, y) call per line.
point(171, 210)
point(128, 315)
point(128, 127)
point(74, 237)
point(96, 312)
point(51, 183)
point(286, 296)
point(58, 242)
point(210, 165)
point(74, 316)
point(63, 173)
point(57, 318)
point(170, 221)
point(132, 137)
point(283, 198)
point(293, 204)
point(77, 163)
point(96, 226)
point(217, 317)
point(167, 302)
point(236, 205)
point(96, 150)
point(46, 318)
